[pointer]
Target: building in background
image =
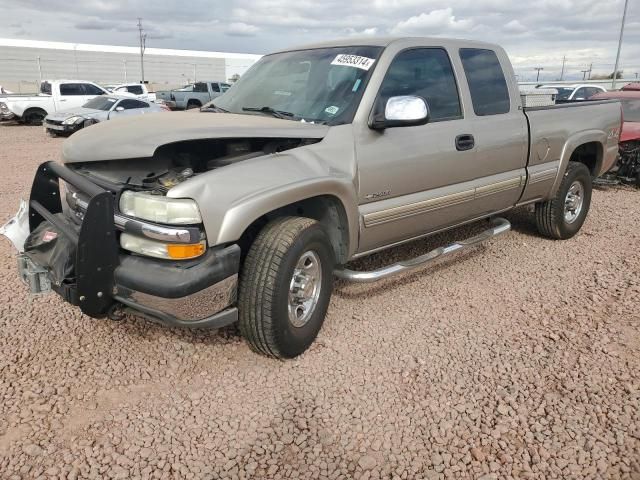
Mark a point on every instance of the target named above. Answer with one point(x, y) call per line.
point(24, 63)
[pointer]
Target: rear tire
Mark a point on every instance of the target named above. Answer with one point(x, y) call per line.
point(34, 116)
point(562, 217)
point(285, 287)
point(193, 104)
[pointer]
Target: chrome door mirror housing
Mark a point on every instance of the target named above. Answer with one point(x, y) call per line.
point(119, 109)
point(401, 111)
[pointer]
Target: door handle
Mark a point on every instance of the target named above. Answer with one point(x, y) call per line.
point(465, 142)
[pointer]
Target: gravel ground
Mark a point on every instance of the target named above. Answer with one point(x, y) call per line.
point(518, 360)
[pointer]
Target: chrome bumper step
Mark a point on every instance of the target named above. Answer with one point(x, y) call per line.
point(499, 226)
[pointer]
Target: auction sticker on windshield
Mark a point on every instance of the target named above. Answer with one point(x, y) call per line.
point(356, 61)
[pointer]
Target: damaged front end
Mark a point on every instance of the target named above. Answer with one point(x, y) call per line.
point(73, 247)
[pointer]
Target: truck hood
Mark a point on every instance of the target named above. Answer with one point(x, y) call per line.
point(140, 136)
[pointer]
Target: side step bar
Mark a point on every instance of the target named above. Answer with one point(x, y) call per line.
point(500, 226)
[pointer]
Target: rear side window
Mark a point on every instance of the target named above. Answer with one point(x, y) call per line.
point(426, 73)
point(135, 89)
point(215, 87)
point(92, 90)
point(489, 92)
point(71, 89)
point(129, 104)
point(200, 87)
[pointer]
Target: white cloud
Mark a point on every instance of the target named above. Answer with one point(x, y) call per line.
point(241, 29)
point(514, 26)
point(432, 23)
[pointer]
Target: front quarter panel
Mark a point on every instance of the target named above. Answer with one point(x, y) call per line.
point(231, 198)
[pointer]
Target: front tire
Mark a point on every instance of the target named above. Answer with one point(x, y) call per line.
point(562, 217)
point(285, 287)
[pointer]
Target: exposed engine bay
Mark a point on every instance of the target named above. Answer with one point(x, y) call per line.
point(174, 163)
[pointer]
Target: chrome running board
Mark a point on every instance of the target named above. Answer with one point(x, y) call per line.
point(500, 226)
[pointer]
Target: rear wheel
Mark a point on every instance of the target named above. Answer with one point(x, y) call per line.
point(191, 104)
point(34, 116)
point(562, 216)
point(285, 287)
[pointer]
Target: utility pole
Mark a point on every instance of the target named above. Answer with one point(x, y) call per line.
point(564, 60)
point(538, 70)
point(143, 47)
point(615, 70)
point(40, 69)
point(125, 70)
point(590, 69)
point(584, 74)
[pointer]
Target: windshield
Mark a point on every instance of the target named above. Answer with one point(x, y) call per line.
point(318, 85)
point(101, 103)
point(563, 93)
point(631, 110)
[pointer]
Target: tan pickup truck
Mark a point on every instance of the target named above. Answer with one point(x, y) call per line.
point(246, 210)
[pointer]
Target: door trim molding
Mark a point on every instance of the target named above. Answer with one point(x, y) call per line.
point(443, 201)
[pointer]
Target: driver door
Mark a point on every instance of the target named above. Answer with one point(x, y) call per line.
point(461, 165)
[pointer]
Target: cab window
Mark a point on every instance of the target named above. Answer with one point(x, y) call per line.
point(488, 87)
point(71, 89)
point(426, 73)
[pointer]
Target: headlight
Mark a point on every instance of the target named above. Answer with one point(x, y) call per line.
point(169, 251)
point(160, 209)
point(72, 120)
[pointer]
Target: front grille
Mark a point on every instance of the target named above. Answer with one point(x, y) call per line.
point(54, 122)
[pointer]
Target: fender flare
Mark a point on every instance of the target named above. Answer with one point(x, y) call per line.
point(247, 210)
point(572, 143)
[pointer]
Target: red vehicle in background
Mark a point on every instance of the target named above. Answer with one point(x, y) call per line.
point(627, 168)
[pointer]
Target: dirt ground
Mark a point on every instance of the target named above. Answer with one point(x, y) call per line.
point(518, 360)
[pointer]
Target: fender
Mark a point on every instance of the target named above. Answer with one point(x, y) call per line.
point(570, 146)
point(231, 198)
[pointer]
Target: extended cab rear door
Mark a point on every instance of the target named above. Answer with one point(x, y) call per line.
point(464, 163)
point(71, 95)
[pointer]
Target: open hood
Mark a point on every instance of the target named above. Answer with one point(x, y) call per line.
point(140, 136)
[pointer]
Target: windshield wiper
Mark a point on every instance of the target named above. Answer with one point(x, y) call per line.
point(213, 108)
point(275, 113)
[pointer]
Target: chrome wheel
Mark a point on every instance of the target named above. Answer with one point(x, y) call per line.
point(304, 288)
point(573, 202)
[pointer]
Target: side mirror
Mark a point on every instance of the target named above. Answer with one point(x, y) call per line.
point(401, 111)
point(119, 109)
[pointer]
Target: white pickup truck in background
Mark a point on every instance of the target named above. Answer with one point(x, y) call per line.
point(54, 95)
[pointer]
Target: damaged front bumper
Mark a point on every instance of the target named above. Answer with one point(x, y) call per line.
point(85, 266)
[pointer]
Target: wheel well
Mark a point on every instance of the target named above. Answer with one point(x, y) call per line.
point(34, 110)
point(327, 209)
point(589, 154)
point(193, 101)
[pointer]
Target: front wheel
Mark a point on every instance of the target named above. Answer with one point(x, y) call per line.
point(562, 216)
point(285, 287)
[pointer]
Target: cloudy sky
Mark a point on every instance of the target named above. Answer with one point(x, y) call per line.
point(536, 33)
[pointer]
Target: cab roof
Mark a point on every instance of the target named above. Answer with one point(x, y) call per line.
point(386, 41)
